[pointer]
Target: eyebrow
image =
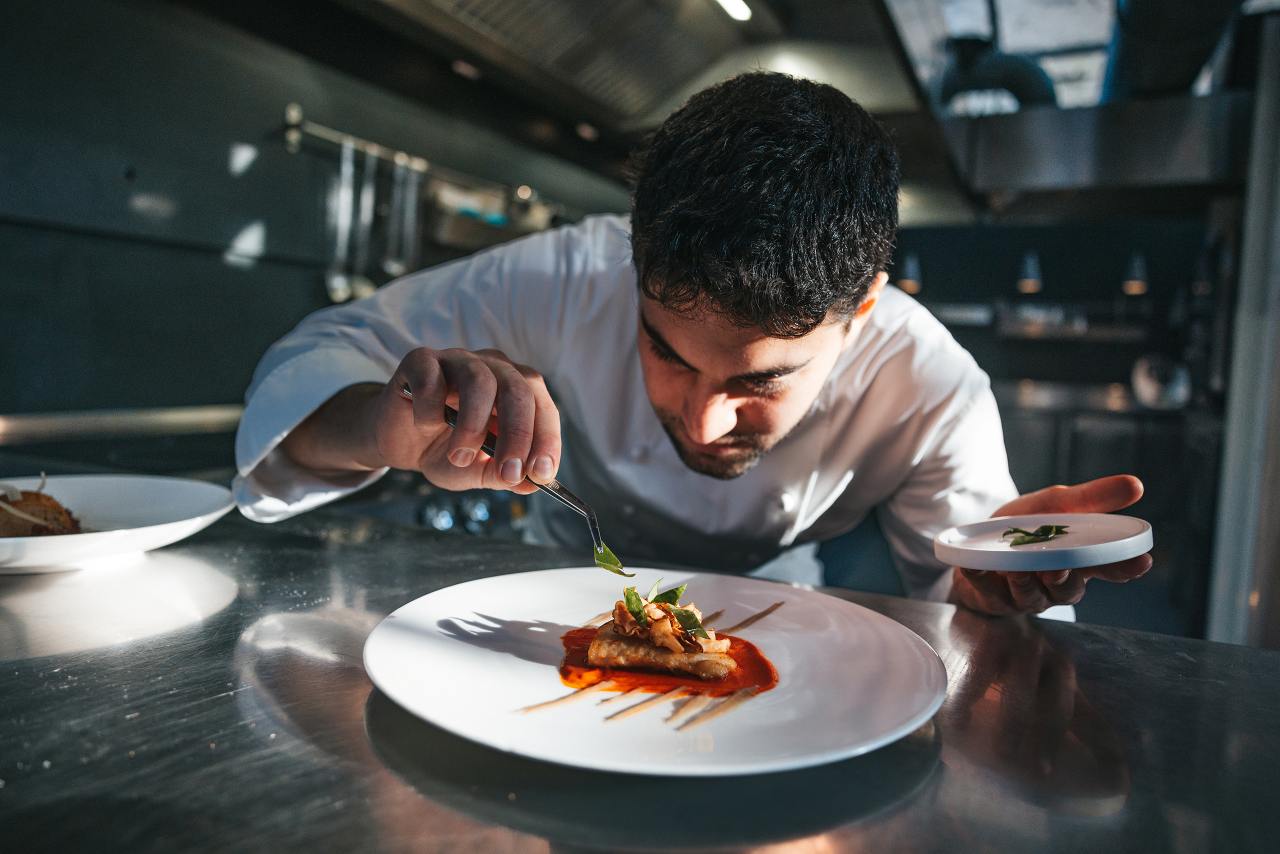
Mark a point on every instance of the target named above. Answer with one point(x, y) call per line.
point(755, 376)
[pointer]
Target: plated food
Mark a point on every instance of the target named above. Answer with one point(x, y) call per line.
point(33, 513)
point(68, 522)
point(502, 661)
point(1043, 541)
point(1043, 534)
point(657, 633)
point(656, 645)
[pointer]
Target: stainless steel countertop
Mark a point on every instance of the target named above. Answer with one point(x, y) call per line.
point(211, 696)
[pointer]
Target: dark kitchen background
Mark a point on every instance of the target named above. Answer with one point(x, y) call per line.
point(175, 195)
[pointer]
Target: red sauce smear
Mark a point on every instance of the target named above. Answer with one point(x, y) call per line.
point(753, 670)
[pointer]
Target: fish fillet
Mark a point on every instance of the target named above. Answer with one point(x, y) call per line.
point(610, 649)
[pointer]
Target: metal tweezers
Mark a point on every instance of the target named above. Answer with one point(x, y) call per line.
point(552, 487)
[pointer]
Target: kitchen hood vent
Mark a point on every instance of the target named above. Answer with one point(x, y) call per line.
point(610, 61)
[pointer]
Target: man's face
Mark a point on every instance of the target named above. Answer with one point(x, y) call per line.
point(727, 395)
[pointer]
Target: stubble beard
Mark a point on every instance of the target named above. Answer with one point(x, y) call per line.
point(747, 451)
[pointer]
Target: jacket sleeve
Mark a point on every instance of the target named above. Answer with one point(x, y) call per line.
point(962, 476)
point(517, 298)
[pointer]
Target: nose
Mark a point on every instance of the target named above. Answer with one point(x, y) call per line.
point(709, 416)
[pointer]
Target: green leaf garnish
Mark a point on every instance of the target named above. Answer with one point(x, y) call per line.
point(606, 559)
point(635, 605)
point(670, 597)
point(1043, 534)
point(689, 622)
point(653, 591)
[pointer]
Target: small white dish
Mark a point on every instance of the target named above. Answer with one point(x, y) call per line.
point(469, 658)
point(1092, 539)
point(122, 514)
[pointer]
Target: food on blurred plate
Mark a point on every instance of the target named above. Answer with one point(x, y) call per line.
point(1043, 534)
point(656, 632)
point(32, 513)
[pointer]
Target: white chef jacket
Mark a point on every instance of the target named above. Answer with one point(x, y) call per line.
point(906, 425)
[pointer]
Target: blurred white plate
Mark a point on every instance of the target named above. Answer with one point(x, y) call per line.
point(467, 658)
point(124, 513)
point(1092, 539)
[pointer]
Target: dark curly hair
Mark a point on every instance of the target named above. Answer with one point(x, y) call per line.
point(772, 201)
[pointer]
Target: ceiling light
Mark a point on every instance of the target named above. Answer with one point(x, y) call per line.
point(736, 9)
point(909, 281)
point(1135, 279)
point(1029, 275)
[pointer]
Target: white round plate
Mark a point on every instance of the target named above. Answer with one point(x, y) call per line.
point(468, 658)
point(123, 514)
point(1092, 539)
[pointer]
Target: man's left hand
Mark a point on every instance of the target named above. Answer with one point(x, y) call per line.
point(1032, 592)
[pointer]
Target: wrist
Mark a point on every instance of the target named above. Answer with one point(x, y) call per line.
point(362, 403)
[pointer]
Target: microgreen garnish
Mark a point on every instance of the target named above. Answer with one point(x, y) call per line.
point(653, 591)
point(606, 559)
point(1043, 534)
point(635, 605)
point(689, 622)
point(669, 597)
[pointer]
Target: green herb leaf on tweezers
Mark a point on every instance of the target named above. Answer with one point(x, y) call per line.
point(1043, 534)
point(606, 559)
point(635, 605)
point(689, 622)
point(670, 597)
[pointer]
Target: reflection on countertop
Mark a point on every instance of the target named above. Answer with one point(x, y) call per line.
point(258, 726)
point(104, 603)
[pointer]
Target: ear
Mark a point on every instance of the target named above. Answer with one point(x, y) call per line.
point(873, 294)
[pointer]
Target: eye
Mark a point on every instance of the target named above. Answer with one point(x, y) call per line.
point(764, 387)
point(664, 355)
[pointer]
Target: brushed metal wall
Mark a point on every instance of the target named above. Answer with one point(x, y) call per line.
point(155, 235)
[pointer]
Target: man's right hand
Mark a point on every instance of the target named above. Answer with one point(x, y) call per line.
point(369, 426)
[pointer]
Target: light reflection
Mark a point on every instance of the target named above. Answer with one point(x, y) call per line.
point(247, 246)
point(241, 157)
point(1017, 720)
point(153, 205)
point(797, 65)
point(736, 9)
point(109, 602)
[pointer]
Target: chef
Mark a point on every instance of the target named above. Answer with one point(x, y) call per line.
point(724, 376)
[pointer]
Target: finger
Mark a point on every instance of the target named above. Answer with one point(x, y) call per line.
point(987, 593)
point(516, 407)
point(1104, 495)
point(1064, 587)
point(1121, 572)
point(1027, 592)
point(420, 372)
point(477, 390)
point(544, 451)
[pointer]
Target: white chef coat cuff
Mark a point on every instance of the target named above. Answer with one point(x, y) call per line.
point(269, 485)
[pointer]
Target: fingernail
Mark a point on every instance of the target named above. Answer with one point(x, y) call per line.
point(543, 468)
point(462, 457)
point(1059, 579)
point(512, 471)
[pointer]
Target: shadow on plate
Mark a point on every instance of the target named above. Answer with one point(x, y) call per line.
point(583, 808)
point(536, 641)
